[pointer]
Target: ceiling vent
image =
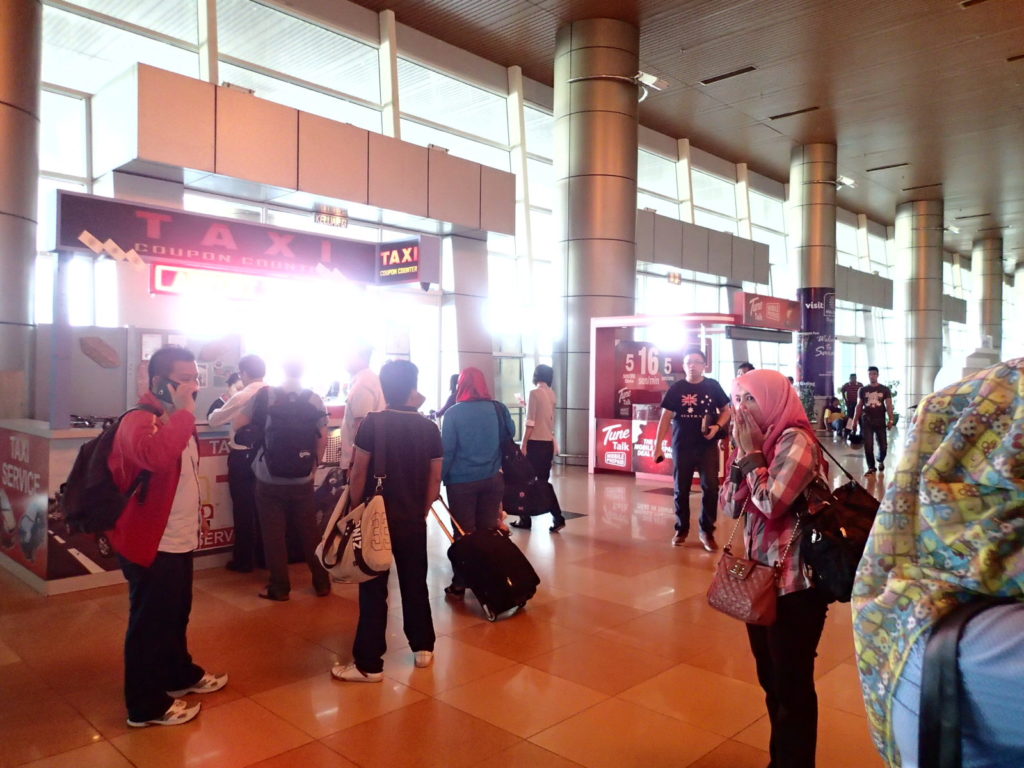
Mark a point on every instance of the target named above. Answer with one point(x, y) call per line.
point(885, 167)
point(794, 112)
point(727, 75)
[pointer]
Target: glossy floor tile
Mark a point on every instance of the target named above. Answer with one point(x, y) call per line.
point(617, 661)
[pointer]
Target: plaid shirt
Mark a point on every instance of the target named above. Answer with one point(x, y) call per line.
point(774, 492)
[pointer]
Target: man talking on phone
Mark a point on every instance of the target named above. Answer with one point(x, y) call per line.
point(155, 538)
point(698, 410)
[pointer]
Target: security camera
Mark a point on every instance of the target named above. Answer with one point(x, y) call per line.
point(653, 82)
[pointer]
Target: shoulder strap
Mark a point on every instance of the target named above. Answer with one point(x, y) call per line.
point(502, 426)
point(826, 452)
point(379, 460)
point(939, 721)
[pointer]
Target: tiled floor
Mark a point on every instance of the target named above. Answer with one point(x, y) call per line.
point(617, 662)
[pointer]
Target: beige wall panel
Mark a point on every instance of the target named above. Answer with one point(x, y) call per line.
point(762, 264)
point(719, 253)
point(497, 201)
point(115, 119)
point(645, 235)
point(176, 119)
point(453, 189)
point(257, 140)
point(398, 175)
point(333, 158)
point(668, 241)
point(695, 247)
point(742, 260)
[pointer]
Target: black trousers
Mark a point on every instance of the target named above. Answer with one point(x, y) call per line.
point(156, 657)
point(277, 505)
point(871, 433)
point(540, 454)
point(476, 506)
point(242, 485)
point(704, 463)
point(409, 545)
point(785, 653)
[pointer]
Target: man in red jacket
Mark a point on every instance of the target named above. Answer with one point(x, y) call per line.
point(155, 538)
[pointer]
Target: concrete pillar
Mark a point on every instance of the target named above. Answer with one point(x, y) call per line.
point(473, 341)
point(596, 118)
point(812, 192)
point(21, 29)
point(987, 265)
point(919, 231)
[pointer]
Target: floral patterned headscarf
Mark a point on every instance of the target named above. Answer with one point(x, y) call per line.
point(950, 529)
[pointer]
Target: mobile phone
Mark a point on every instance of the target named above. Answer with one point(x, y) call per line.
point(165, 389)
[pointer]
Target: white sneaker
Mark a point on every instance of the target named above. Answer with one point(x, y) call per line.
point(423, 659)
point(208, 683)
point(350, 673)
point(177, 714)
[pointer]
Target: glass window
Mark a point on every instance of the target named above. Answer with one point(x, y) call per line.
point(46, 216)
point(767, 212)
point(80, 300)
point(713, 192)
point(541, 176)
point(846, 240)
point(459, 146)
point(105, 276)
point(292, 46)
point(714, 221)
point(444, 100)
point(540, 132)
point(306, 99)
point(45, 277)
point(176, 18)
point(542, 231)
point(659, 204)
point(85, 55)
point(657, 174)
point(62, 144)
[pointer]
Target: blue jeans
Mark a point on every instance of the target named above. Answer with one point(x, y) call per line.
point(992, 710)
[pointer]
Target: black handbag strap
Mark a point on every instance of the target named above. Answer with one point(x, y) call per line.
point(379, 460)
point(834, 459)
point(502, 426)
point(939, 735)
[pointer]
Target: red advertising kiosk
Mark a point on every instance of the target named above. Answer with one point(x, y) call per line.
point(629, 377)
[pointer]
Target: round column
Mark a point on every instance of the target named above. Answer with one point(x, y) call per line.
point(596, 119)
point(987, 262)
point(919, 231)
point(812, 180)
point(21, 42)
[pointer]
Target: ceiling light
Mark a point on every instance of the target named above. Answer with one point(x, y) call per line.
point(794, 112)
point(727, 75)
point(972, 216)
point(885, 167)
point(922, 186)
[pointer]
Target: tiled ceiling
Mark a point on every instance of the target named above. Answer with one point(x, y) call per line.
point(922, 82)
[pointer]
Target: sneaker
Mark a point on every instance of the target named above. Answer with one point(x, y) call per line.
point(268, 595)
point(350, 673)
point(708, 540)
point(423, 659)
point(208, 683)
point(178, 713)
point(678, 540)
point(871, 471)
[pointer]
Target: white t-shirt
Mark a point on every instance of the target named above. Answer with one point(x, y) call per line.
point(364, 396)
point(182, 531)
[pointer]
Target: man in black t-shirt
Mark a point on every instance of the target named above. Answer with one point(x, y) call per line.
point(875, 415)
point(412, 463)
point(849, 391)
point(698, 410)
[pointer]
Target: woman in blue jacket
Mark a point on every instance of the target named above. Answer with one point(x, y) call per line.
point(471, 433)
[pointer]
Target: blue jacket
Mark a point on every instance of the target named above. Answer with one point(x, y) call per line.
point(471, 439)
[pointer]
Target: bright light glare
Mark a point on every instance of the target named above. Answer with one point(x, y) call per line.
point(667, 334)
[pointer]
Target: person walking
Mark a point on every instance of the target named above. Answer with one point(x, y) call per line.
point(412, 463)
point(698, 411)
point(777, 458)
point(155, 538)
point(540, 446)
point(471, 435)
point(875, 416)
point(849, 392)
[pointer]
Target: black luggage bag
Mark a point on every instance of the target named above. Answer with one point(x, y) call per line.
point(494, 568)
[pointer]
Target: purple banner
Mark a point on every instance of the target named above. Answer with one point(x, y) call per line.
point(817, 338)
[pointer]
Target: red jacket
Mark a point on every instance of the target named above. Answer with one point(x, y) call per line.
point(156, 443)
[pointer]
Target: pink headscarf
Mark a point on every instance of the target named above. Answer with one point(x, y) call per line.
point(472, 386)
point(778, 403)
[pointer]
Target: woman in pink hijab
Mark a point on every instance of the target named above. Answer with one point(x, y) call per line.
point(777, 458)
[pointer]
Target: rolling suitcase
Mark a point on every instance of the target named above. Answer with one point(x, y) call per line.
point(493, 566)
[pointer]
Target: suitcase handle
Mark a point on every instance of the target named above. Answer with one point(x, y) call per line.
point(444, 527)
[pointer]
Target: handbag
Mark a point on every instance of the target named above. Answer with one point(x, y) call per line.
point(836, 529)
point(516, 468)
point(356, 545)
point(746, 589)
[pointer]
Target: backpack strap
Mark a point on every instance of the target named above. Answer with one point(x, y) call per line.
point(260, 407)
point(379, 460)
point(141, 481)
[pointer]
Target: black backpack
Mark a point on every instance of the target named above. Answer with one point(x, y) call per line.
point(291, 426)
point(90, 500)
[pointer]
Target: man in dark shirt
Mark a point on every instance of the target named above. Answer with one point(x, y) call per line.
point(849, 392)
point(875, 415)
point(699, 411)
point(412, 463)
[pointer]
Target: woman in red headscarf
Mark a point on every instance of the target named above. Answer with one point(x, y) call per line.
point(777, 458)
point(471, 433)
